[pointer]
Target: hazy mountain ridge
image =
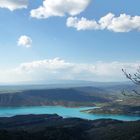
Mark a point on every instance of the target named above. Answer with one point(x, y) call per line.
point(51, 97)
point(64, 95)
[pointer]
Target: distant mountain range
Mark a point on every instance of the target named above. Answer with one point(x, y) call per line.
point(58, 96)
point(79, 93)
point(59, 84)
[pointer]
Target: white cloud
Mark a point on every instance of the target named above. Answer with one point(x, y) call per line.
point(59, 69)
point(13, 4)
point(24, 41)
point(122, 23)
point(82, 24)
point(59, 8)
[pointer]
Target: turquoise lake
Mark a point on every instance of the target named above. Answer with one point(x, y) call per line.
point(62, 111)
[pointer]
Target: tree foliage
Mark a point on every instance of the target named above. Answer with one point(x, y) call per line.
point(135, 78)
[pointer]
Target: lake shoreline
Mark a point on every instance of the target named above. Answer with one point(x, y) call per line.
point(66, 112)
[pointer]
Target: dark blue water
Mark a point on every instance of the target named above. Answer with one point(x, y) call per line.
point(62, 111)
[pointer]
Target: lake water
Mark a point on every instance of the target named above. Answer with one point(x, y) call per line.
point(62, 111)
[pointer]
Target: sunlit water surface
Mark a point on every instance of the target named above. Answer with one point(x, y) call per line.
point(62, 111)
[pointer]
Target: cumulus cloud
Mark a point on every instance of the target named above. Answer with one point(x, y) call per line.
point(122, 23)
point(13, 4)
point(59, 69)
point(59, 8)
point(24, 41)
point(82, 24)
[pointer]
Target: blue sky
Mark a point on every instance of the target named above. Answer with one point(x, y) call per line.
point(51, 39)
